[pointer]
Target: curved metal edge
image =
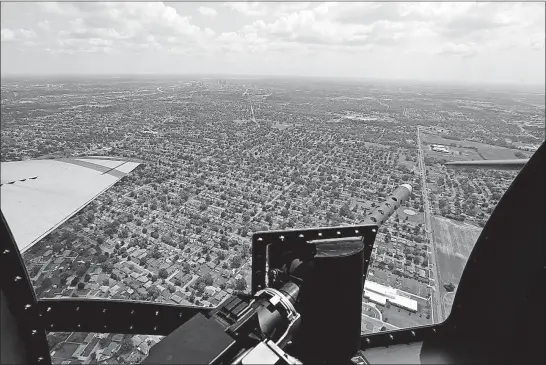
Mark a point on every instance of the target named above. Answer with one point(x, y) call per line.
point(114, 316)
point(20, 297)
point(505, 270)
point(402, 336)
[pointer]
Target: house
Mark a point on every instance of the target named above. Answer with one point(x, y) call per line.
point(79, 351)
point(110, 349)
point(117, 337)
point(144, 348)
point(177, 299)
point(114, 289)
point(210, 290)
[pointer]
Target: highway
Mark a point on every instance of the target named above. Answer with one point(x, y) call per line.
point(436, 301)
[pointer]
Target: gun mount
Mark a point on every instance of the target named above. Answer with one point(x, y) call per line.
point(305, 304)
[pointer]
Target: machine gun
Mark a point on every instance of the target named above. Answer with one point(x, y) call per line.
point(305, 269)
point(305, 305)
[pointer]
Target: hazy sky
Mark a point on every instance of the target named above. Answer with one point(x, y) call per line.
point(475, 42)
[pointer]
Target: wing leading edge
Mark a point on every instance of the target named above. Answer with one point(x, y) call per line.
point(37, 196)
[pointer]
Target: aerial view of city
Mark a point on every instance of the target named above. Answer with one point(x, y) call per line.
point(223, 156)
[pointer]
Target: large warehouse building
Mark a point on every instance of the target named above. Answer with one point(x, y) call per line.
point(380, 294)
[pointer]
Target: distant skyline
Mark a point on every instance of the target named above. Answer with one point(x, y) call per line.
point(467, 42)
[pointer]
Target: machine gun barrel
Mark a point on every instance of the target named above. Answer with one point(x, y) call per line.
point(380, 214)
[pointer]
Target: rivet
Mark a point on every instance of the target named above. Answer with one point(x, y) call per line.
point(105, 326)
point(391, 337)
point(260, 239)
point(17, 278)
point(104, 310)
point(434, 330)
point(6, 251)
point(48, 309)
point(301, 235)
point(131, 327)
point(179, 315)
point(155, 328)
point(338, 233)
point(51, 325)
point(356, 231)
point(413, 333)
point(40, 358)
point(282, 238)
point(34, 332)
point(368, 340)
point(320, 234)
point(77, 309)
point(156, 313)
point(79, 325)
point(133, 311)
point(27, 306)
point(374, 230)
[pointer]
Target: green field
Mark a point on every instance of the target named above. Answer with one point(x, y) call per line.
point(454, 242)
point(66, 350)
point(77, 337)
point(486, 151)
point(404, 319)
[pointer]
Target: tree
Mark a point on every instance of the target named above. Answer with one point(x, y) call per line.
point(240, 284)
point(81, 270)
point(177, 282)
point(126, 345)
point(519, 154)
point(163, 273)
point(236, 262)
point(74, 281)
point(107, 267)
point(46, 283)
point(87, 278)
point(153, 292)
point(81, 285)
point(208, 279)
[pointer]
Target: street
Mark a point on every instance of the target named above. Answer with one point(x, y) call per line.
point(436, 304)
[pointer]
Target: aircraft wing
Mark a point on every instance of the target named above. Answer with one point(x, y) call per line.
point(490, 164)
point(37, 196)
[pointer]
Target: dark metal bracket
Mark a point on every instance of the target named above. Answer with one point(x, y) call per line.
point(21, 299)
point(114, 316)
point(267, 246)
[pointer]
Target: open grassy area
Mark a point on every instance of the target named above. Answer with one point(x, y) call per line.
point(403, 318)
point(370, 311)
point(454, 242)
point(77, 337)
point(486, 151)
point(66, 350)
point(408, 285)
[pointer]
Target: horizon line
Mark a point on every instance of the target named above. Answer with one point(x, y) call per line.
point(238, 75)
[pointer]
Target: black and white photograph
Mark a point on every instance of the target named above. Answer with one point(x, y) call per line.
point(272, 182)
